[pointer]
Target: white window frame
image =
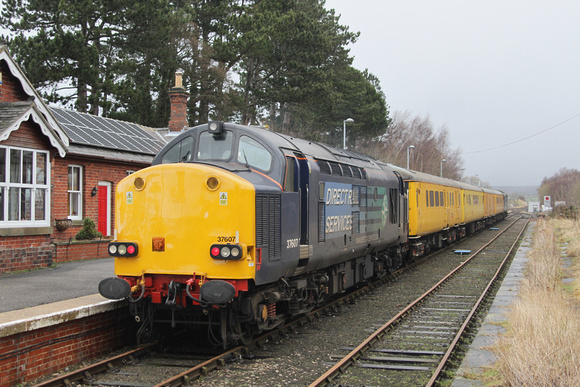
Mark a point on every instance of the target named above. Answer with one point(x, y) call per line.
point(27, 212)
point(78, 192)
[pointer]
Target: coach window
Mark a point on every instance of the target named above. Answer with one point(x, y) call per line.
point(254, 154)
point(442, 198)
point(431, 198)
point(436, 199)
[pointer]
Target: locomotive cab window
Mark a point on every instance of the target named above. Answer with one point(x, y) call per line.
point(254, 154)
point(290, 180)
point(215, 146)
point(180, 152)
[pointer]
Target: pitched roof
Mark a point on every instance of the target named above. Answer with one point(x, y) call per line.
point(13, 114)
point(74, 132)
point(108, 134)
point(42, 113)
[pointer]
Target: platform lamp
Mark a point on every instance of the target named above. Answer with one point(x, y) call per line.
point(349, 120)
point(442, 161)
point(408, 150)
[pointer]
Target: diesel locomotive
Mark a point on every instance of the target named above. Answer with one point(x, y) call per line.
point(235, 229)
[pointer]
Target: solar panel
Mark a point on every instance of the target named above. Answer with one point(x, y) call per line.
point(107, 133)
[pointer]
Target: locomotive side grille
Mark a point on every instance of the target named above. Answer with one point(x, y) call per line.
point(324, 167)
point(335, 168)
point(261, 221)
point(340, 169)
point(268, 225)
point(346, 171)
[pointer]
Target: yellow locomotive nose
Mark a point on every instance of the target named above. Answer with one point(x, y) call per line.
point(183, 219)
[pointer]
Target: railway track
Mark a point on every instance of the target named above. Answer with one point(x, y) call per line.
point(165, 369)
point(415, 346)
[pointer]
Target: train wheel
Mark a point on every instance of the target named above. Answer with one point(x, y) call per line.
point(246, 334)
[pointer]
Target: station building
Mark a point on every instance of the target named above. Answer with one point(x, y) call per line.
point(58, 167)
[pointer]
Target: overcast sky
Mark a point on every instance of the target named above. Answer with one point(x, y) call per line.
point(492, 72)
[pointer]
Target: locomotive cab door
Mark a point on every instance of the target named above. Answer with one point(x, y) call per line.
point(297, 180)
point(403, 218)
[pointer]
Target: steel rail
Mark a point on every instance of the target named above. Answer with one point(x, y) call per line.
point(93, 369)
point(204, 368)
point(353, 355)
point(459, 334)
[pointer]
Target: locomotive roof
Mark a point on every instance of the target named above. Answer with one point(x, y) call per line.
point(425, 177)
point(312, 149)
point(321, 151)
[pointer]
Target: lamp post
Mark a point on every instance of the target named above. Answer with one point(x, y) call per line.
point(442, 161)
point(344, 131)
point(408, 149)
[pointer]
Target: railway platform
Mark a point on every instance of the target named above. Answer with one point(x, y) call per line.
point(53, 318)
point(47, 296)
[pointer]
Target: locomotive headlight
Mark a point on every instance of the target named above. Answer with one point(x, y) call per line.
point(235, 252)
point(225, 253)
point(122, 249)
point(112, 249)
point(139, 183)
point(212, 183)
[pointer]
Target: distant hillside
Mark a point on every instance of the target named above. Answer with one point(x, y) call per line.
point(526, 191)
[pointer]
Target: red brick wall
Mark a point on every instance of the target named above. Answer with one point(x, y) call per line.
point(25, 252)
point(178, 98)
point(80, 250)
point(11, 90)
point(30, 355)
point(93, 172)
point(28, 136)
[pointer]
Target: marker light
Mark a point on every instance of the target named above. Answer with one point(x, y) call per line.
point(123, 249)
point(228, 251)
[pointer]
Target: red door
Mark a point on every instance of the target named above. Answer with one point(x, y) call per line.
point(103, 213)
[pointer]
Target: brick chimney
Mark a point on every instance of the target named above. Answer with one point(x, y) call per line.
point(178, 98)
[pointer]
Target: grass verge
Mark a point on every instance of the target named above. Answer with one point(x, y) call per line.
point(542, 344)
